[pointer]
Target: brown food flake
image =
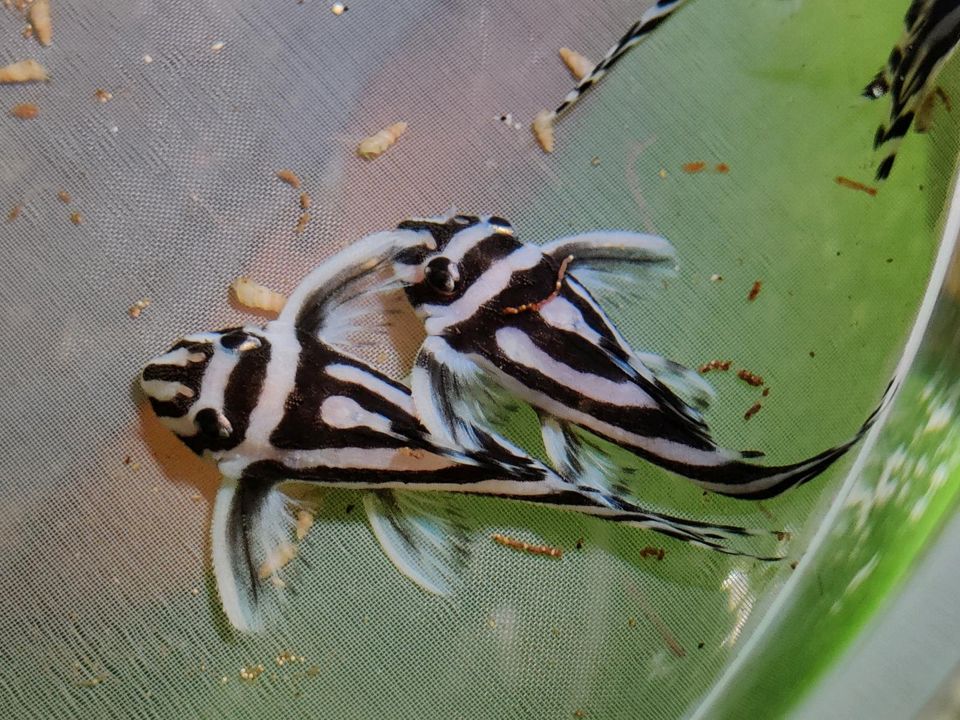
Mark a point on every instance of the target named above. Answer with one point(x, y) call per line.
point(102, 95)
point(305, 201)
point(14, 213)
point(289, 177)
point(522, 546)
point(854, 185)
point(766, 391)
point(23, 71)
point(25, 111)
point(694, 167)
point(40, 19)
point(783, 535)
point(277, 559)
point(376, 145)
point(650, 551)
point(750, 378)
point(76, 218)
point(715, 365)
point(64, 197)
point(302, 223)
point(722, 168)
point(753, 410)
point(754, 290)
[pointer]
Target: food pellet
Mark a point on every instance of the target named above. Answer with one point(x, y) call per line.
point(694, 167)
point(750, 378)
point(256, 296)
point(138, 307)
point(40, 20)
point(753, 410)
point(527, 547)
point(715, 365)
point(375, 145)
point(577, 64)
point(543, 130)
point(23, 71)
point(854, 185)
point(754, 290)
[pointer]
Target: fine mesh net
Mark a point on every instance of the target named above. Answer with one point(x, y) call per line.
point(110, 609)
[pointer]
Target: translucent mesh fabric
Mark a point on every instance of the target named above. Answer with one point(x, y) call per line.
point(108, 606)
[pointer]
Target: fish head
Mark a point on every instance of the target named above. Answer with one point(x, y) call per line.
point(456, 252)
point(205, 386)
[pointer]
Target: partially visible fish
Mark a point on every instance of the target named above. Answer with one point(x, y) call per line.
point(287, 403)
point(508, 321)
point(930, 35)
point(648, 22)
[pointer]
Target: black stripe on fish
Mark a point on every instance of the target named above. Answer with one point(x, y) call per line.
point(442, 232)
point(302, 426)
point(454, 475)
point(651, 422)
point(240, 397)
point(477, 260)
point(190, 375)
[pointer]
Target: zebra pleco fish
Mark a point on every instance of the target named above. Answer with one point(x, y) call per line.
point(287, 404)
point(930, 35)
point(508, 321)
point(648, 22)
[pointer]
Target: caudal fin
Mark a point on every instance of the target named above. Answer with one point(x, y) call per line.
point(747, 481)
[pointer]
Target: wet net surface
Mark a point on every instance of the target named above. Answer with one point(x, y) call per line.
point(109, 609)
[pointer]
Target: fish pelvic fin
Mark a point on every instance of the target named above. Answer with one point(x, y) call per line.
point(423, 534)
point(251, 534)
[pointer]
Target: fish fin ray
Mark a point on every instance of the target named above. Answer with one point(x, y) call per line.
point(252, 527)
point(423, 534)
point(353, 292)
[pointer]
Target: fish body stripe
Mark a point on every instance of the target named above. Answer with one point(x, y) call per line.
point(930, 36)
point(240, 396)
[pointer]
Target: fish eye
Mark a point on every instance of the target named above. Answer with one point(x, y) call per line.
point(442, 275)
point(212, 425)
point(238, 340)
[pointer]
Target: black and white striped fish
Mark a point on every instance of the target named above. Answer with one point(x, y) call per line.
point(282, 405)
point(648, 22)
point(930, 35)
point(522, 321)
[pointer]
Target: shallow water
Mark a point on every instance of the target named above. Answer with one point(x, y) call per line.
point(111, 610)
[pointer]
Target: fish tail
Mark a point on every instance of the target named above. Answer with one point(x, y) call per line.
point(715, 537)
point(892, 137)
point(650, 20)
point(747, 481)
